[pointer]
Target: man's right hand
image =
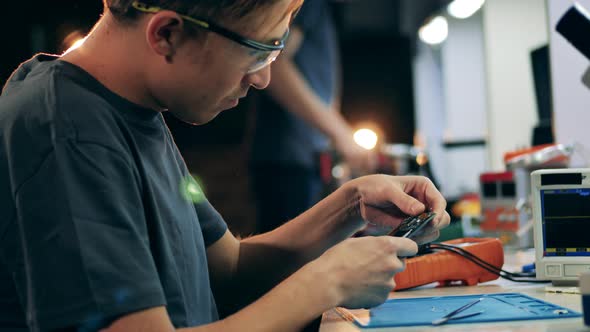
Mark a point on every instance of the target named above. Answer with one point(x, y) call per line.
point(359, 272)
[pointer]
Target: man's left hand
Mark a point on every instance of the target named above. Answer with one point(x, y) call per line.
point(386, 200)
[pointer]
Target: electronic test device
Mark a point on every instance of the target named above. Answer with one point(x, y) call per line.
point(561, 213)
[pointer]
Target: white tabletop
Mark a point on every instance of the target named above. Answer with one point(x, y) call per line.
point(332, 322)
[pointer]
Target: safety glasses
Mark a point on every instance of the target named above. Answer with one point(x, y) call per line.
point(262, 54)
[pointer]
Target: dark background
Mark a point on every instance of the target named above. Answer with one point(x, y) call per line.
point(377, 39)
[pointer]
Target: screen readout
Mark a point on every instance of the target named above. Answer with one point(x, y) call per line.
point(566, 222)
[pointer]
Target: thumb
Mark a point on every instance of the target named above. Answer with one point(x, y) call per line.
point(405, 247)
point(407, 204)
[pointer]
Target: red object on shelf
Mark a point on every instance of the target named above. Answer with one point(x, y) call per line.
point(516, 153)
point(496, 177)
point(545, 155)
point(499, 210)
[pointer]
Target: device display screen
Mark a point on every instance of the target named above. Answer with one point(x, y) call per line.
point(566, 222)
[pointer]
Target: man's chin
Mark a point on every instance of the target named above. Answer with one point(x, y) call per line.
point(231, 103)
point(196, 119)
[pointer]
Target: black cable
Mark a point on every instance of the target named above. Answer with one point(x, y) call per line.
point(524, 277)
point(517, 277)
point(512, 276)
point(475, 258)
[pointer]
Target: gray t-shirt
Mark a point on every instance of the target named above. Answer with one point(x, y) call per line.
point(96, 220)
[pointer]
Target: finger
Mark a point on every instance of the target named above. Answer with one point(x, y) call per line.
point(443, 221)
point(405, 247)
point(435, 201)
point(432, 231)
point(395, 264)
point(408, 204)
point(403, 263)
point(440, 221)
point(382, 217)
point(426, 237)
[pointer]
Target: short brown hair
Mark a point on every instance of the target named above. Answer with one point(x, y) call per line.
point(218, 10)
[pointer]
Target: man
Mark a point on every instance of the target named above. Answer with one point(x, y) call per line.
point(96, 233)
point(297, 117)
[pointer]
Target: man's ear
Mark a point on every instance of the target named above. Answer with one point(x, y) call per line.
point(164, 33)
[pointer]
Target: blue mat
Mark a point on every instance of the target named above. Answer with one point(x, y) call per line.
point(422, 311)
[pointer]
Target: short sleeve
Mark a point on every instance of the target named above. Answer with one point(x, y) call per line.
point(86, 249)
point(212, 224)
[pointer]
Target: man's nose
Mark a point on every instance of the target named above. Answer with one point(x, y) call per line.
point(259, 79)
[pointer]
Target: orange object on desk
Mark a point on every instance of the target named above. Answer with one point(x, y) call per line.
point(447, 267)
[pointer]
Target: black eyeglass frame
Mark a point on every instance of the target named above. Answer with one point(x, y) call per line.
point(277, 45)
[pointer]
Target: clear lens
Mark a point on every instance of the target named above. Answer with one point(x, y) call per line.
point(247, 59)
point(262, 59)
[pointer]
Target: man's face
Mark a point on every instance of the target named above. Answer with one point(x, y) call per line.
point(210, 75)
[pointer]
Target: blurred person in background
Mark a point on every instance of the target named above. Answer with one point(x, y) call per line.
point(298, 118)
